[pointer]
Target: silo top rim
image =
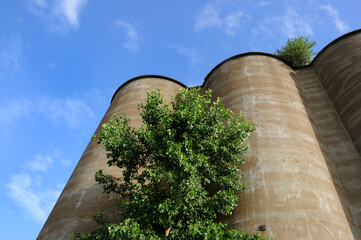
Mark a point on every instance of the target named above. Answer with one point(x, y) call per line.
point(238, 56)
point(243, 55)
point(146, 76)
point(277, 57)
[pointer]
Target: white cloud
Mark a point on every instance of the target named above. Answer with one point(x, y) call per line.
point(11, 53)
point(231, 22)
point(40, 163)
point(15, 110)
point(57, 15)
point(65, 162)
point(70, 9)
point(263, 3)
point(290, 23)
point(339, 24)
point(73, 112)
point(133, 36)
point(295, 25)
point(27, 193)
point(28, 190)
point(210, 17)
point(97, 96)
point(190, 53)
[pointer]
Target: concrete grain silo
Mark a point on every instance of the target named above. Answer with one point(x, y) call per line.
point(303, 168)
point(291, 185)
point(82, 197)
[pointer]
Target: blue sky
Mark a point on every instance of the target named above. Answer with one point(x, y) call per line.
point(62, 60)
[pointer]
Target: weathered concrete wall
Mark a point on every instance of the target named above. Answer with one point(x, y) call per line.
point(303, 169)
point(290, 188)
point(339, 70)
point(339, 150)
point(82, 197)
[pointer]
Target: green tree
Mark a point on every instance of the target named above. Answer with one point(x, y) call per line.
point(297, 51)
point(168, 166)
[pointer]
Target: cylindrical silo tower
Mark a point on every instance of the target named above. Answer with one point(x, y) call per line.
point(338, 68)
point(82, 197)
point(292, 188)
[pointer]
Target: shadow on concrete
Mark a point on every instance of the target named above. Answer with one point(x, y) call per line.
point(298, 77)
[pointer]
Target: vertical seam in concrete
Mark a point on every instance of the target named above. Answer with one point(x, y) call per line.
point(357, 224)
point(338, 116)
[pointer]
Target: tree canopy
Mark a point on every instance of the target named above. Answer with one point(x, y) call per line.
point(297, 51)
point(180, 169)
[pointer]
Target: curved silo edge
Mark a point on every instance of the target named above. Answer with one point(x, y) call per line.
point(147, 76)
point(240, 56)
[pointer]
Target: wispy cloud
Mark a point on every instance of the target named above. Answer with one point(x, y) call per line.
point(73, 112)
point(65, 162)
point(192, 54)
point(15, 110)
point(35, 197)
point(340, 25)
point(263, 3)
point(26, 191)
point(133, 36)
point(210, 16)
point(96, 96)
point(70, 10)
point(40, 163)
point(11, 53)
point(291, 24)
point(58, 16)
point(294, 24)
